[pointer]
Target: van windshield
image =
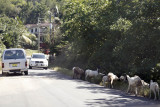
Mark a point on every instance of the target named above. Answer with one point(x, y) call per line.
point(14, 54)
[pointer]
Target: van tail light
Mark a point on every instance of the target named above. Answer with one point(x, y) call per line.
point(26, 64)
point(2, 65)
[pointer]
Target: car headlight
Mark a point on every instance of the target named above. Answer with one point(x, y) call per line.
point(46, 62)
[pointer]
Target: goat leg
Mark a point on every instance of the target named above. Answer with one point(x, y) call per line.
point(158, 94)
point(77, 75)
point(73, 75)
point(136, 91)
point(86, 77)
point(154, 94)
point(111, 83)
point(104, 83)
point(143, 91)
point(149, 93)
point(128, 88)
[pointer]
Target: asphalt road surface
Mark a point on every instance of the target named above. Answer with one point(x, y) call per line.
point(47, 88)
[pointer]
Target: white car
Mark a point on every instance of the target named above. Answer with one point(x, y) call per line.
point(14, 61)
point(38, 60)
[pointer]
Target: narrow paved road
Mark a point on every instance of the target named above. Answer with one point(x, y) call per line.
point(47, 88)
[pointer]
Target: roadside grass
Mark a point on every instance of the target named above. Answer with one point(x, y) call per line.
point(61, 70)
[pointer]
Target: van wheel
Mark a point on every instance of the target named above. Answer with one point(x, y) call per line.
point(26, 72)
point(30, 67)
point(4, 73)
point(45, 68)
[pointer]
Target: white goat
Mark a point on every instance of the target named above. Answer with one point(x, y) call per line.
point(155, 88)
point(122, 78)
point(104, 79)
point(111, 78)
point(145, 84)
point(134, 82)
point(90, 73)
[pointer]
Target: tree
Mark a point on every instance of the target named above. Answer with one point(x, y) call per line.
point(120, 36)
point(9, 9)
point(25, 12)
point(12, 35)
point(40, 10)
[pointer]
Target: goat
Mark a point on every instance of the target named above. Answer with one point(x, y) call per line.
point(155, 88)
point(111, 78)
point(77, 72)
point(134, 82)
point(90, 73)
point(145, 84)
point(104, 79)
point(122, 78)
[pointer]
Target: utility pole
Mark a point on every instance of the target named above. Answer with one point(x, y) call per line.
point(50, 26)
point(38, 34)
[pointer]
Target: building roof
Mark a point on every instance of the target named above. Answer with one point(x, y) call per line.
point(36, 25)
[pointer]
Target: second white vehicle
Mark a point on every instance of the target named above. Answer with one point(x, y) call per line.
point(38, 60)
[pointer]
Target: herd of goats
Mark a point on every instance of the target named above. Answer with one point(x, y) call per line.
point(133, 82)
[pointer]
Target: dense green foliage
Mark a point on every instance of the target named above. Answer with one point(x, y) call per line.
point(30, 12)
point(14, 33)
point(120, 36)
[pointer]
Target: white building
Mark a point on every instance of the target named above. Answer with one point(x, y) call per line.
point(34, 28)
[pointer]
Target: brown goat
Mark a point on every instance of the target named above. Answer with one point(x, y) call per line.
point(77, 72)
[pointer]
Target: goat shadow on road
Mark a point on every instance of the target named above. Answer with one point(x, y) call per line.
point(117, 99)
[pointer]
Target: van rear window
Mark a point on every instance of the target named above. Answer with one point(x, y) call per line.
point(13, 54)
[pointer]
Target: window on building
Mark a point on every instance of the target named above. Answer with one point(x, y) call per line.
point(31, 30)
point(42, 39)
point(36, 35)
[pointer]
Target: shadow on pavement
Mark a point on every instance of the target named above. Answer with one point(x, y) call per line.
point(49, 74)
point(117, 98)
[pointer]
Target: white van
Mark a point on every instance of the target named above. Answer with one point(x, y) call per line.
point(14, 61)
